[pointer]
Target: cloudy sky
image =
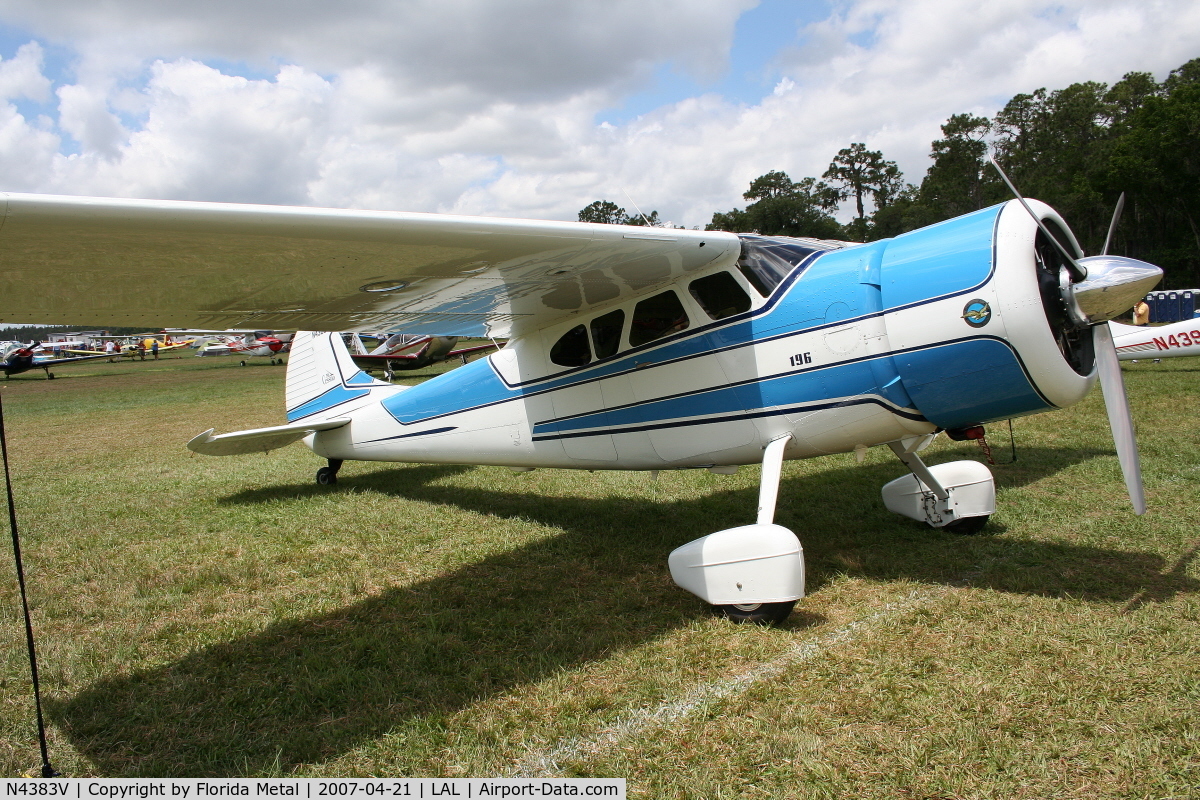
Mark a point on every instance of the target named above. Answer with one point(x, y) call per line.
point(524, 108)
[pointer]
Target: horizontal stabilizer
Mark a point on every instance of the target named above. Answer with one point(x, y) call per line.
point(258, 440)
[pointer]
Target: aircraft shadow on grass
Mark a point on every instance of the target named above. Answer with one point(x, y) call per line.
point(310, 690)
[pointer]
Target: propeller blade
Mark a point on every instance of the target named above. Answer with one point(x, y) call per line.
point(1112, 226)
point(1078, 273)
point(1119, 418)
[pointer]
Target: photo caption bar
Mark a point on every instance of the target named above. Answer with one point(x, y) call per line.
point(317, 788)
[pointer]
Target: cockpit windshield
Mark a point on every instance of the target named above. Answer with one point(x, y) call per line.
point(767, 260)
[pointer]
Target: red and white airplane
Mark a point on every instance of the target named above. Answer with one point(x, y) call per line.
point(1164, 341)
point(242, 343)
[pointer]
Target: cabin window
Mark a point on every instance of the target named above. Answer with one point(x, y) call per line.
point(572, 350)
point(766, 262)
point(656, 317)
point(606, 333)
point(720, 295)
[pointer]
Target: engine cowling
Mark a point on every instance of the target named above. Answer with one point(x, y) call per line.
point(978, 323)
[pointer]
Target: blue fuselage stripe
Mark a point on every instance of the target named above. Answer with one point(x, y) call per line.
point(759, 414)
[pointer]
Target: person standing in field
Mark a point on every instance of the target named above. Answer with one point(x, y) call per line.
point(1141, 313)
point(154, 349)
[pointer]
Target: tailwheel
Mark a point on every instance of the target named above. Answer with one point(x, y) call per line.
point(243, 363)
point(327, 476)
point(757, 613)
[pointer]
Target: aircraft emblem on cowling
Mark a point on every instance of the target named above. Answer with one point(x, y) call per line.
point(328, 377)
point(977, 313)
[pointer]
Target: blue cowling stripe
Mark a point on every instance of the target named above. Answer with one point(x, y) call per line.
point(969, 383)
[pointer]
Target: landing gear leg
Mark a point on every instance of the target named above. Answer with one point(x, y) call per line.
point(754, 573)
point(958, 496)
point(327, 476)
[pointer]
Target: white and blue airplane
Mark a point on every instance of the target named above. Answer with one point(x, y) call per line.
point(628, 348)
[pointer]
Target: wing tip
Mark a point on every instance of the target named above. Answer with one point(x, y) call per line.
point(197, 442)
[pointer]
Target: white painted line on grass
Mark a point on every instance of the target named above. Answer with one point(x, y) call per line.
point(549, 762)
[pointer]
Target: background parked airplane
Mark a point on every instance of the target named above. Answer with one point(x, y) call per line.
point(402, 351)
point(16, 358)
point(1162, 341)
point(241, 343)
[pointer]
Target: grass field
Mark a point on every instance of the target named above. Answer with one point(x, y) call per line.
point(201, 616)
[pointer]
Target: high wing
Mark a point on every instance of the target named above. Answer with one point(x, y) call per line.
point(291, 268)
point(54, 362)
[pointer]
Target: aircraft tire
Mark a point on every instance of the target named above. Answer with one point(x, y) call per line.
point(967, 526)
point(243, 363)
point(49, 376)
point(757, 613)
point(326, 476)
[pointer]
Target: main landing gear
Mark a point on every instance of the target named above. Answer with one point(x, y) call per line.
point(754, 573)
point(327, 476)
point(958, 496)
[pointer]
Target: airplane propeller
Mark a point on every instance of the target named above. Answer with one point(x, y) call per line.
point(1096, 290)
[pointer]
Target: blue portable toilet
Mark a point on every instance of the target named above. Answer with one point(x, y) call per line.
point(1154, 300)
point(1187, 304)
point(1164, 315)
point(1172, 307)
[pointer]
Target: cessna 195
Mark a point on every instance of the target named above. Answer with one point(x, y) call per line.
point(629, 348)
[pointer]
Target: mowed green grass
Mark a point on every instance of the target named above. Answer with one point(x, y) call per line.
point(201, 616)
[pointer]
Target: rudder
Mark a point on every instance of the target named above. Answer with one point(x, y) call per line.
point(321, 375)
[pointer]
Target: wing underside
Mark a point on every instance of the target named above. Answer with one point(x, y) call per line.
point(141, 262)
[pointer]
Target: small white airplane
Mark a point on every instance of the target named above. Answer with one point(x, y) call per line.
point(402, 351)
point(1162, 341)
point(629, 348)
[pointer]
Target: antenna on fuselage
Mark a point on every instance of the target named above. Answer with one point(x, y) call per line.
point(635, 208)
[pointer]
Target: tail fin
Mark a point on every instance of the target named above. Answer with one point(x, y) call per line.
point(321, 377)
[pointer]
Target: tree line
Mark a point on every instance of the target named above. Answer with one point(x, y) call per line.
point(38, 333)
point(1076, 148)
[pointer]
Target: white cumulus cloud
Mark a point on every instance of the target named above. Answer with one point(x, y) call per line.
point(469, 106)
